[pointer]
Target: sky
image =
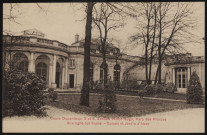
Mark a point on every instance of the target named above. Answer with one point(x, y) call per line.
point(62, 21)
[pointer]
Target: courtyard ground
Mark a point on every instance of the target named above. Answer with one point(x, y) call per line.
point(127, 106)
point(179, 121)
point(137, 115)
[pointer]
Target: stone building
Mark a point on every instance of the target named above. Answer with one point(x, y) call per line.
point(62, 64)
point(176, 69)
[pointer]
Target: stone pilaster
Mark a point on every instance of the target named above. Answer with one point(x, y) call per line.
point(54, 85)
point(31, 67)
point(173, 75)
point(65, 86)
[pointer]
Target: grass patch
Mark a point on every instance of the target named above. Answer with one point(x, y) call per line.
point(126, 106)
point(175, 96)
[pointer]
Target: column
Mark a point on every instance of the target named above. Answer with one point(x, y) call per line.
point(199, 72)
point(96, 72)
point(50, 73)
point(63, 77)
point(122, 72)
point(31, 63)
point(54, 85)
point(66, 74)
point(188, 74)
point(173, 75)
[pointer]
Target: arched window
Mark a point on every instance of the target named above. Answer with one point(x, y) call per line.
point(117, 69)
point(23, 66)
point(19, 61)
point(102, 71)
point(41, 69)
point(57, 67)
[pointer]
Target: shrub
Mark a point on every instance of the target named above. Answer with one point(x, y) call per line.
point(109, 102)
point(52, 94)
point(151, 89)
point(170, 87)
point(194, 90)
point(159, 88)
point(98, 85)
point(24, 93)
point(130, 84)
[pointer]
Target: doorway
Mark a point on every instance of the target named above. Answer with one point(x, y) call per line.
point(57, 78)
point(71, 76)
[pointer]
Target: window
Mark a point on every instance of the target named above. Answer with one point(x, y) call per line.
point(41, 69)
point(23, 66)
point(181, 77)
point(102, 72)
point(117, 75)
point(72, 63)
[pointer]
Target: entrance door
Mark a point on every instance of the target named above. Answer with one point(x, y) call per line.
point(71, 76)
point(57, 78)
point(181, 79)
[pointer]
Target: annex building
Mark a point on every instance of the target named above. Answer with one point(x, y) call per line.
point(62, 64)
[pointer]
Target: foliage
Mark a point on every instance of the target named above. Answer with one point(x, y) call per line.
point(194, 90)
point(98, 85)
point(159, 88)
point(151, 89)
point(24, 95)
point(170, 87)
point(109, 101)
point(131, 84)
point(52, 94)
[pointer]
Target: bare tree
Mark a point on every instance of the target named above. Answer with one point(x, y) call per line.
point(147, 17)
point(175, 25)
point(84, 100)
point(106, 18)
point(170, 29)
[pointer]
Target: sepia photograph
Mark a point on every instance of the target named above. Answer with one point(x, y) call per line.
point(103, 67)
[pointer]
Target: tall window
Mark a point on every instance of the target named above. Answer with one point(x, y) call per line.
point(41, 69)
point(72, 62)
point(117, 75)
point(102, 71)
point(23, 66)
point(19, 61)
point(181, 77)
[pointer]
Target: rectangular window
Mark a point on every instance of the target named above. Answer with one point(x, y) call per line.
point(181, 77)
point(72, 63)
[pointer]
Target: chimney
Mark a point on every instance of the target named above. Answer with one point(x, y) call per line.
point(76, 38)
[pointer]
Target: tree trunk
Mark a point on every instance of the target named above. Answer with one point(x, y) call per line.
point(84, 100)
point(105, 69)
point(160, 70)
point(159, 48)
point(152, 49)
point(146, 65)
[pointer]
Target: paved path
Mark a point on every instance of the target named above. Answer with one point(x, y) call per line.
point(188, 120)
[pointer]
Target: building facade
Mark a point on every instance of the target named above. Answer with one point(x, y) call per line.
point(62, 64)
point(176, 69)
